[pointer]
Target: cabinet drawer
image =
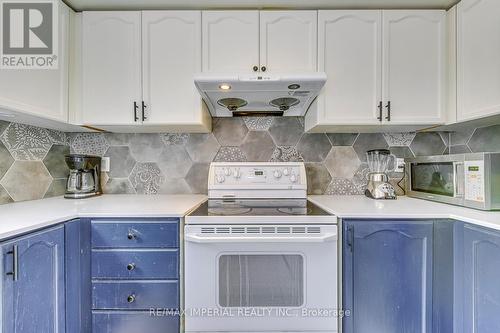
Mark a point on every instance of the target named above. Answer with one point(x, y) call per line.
point(116, 234)
point(143, 295)
point(133, 322)
point(135, 264)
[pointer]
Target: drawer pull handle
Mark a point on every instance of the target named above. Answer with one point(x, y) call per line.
point(131, 267)
point(131, 236)
point(131, 298)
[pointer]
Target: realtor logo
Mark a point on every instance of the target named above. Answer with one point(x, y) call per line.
point(29, 34)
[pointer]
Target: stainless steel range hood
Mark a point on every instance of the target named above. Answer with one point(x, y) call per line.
point(259, 94)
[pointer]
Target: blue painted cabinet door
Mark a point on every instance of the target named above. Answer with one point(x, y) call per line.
point(387, 276)
point(481, 280)
point(33, 301)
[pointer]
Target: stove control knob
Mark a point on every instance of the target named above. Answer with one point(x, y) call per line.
point(293, 178)
point(227, 171)
point(236, 173)
point(277, 174)
point(220, 179)
point(286, 172)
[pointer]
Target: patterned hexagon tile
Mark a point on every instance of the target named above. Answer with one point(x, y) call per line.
point(26, 180)
point(89, 144)
point(26, 142)
point(258, 123)
point(174, 161)
point(55, 163)
point(146, 178)
point(174, 138)
point(314, 147)
point(197, 178)
point(318, 178)
point(342, 162)
point(368, 141)
point(202, 147)
point(230, 154)
point(286, 131)
point(426, 144)
point(58, 138)
point(258, 146)
point(485, 139)
point(286, 154)
point(399, 139)
point(360, 179)
point(340, 186)
point(121, 161)
point(6, 160)
point(146, 147)
point(229, 131)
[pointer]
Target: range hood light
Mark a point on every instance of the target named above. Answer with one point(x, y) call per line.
point(225, 86)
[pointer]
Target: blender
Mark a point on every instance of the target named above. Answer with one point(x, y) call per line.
point(379, 163)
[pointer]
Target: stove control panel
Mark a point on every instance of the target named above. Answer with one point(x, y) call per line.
point(247, 176)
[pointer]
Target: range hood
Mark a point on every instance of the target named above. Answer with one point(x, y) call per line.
point(259, 94)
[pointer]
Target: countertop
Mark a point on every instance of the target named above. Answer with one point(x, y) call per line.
point(22, 217)
point(359, 206)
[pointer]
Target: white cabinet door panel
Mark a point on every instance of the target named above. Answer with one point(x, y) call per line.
point(171, 42)
point(414, 74)
point(230, 41)
point(111, 67)
point(288, 40)
point(350, 54)
point(478, 64)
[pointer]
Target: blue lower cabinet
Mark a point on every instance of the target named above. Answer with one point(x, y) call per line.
point(33, 283)
point(135, 295)
point(481, 279)
point(134, 322)
point(387, 276)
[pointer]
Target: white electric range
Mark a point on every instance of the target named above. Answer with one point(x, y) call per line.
point(259, 257)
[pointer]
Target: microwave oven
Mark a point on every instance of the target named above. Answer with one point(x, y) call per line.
point(469, 180)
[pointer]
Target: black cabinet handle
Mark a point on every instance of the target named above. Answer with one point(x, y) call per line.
point(263, 68)
point(144, 111)
point(15, 263)
point(379, 111)
point(255, 68)
point(136, 118)
point(388, 106)
point(131, 298)
point(130, 267)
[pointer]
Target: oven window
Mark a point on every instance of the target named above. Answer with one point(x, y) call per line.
point(433, 178)
point(261, 280)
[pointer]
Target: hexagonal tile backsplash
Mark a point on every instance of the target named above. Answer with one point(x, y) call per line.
point(178, 163)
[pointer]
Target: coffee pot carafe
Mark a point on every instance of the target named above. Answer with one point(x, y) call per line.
point(84, 176)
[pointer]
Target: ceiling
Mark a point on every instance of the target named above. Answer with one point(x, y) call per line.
point(257, 4)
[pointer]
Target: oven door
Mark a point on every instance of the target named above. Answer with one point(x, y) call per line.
point(261, 278)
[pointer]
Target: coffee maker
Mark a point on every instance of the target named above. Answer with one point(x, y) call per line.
point(84, 176)
point(379, 162)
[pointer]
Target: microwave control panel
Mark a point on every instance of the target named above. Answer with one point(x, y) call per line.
point(474, 181)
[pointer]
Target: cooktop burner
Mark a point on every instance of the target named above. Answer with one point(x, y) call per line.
point(258, 207)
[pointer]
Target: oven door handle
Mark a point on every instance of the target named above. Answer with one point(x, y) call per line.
point(329, 237)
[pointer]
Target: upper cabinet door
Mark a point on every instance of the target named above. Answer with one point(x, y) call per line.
point(414, 48)
point(230, 41)
point(350, 54)
point(111, 67)
point(478, 65)
point(288, 41)
point(171, 46)
point(40, 92)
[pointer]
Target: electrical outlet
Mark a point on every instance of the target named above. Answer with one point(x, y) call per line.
point(105, 164)
point(400, 165)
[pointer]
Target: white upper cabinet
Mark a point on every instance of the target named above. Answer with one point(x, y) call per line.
point(414, 73)
point(350, 55)
point(230, 41)
point(288, 41)
point(171, 57)
point(40, 92)
point(111, 68)
point(478, 54)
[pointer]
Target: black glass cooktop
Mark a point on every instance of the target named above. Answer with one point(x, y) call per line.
point(258, 207)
